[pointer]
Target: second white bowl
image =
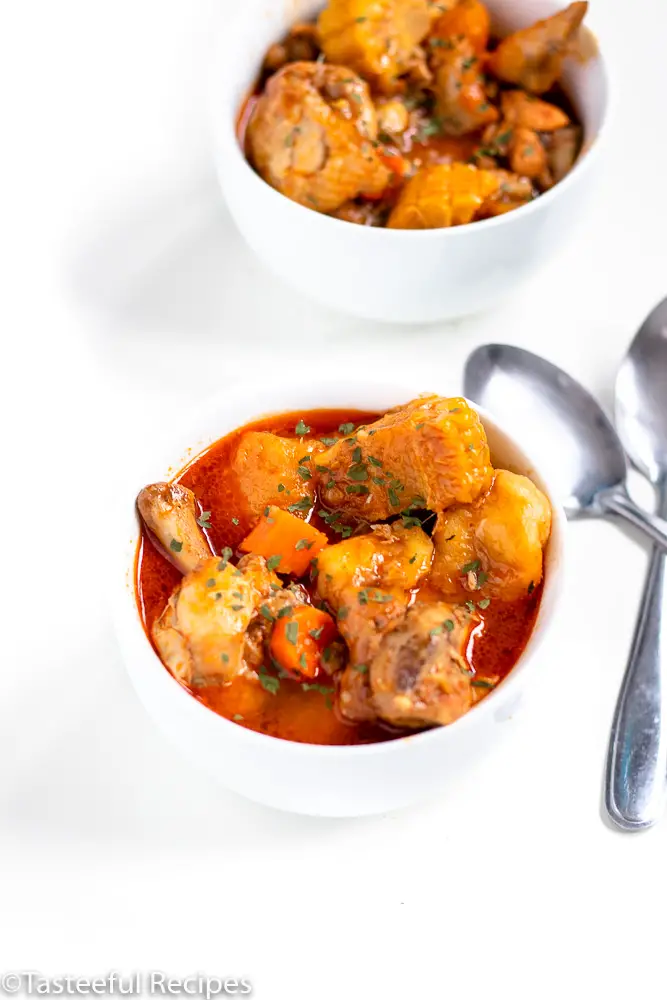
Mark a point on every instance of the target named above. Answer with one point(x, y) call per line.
point(384, 274)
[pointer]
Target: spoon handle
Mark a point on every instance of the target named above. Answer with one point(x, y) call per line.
point(618, 503)
point(637, 756)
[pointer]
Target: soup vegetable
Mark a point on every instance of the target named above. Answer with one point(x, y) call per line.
point(406, 114)
point(335, 577)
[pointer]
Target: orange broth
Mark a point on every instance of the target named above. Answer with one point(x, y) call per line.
point(292, 713)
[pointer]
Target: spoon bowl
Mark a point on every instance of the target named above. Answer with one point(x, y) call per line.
point(542, 404)
point(641, 397)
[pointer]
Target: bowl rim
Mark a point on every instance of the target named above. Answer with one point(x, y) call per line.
point(134, 642)
point(225, 143)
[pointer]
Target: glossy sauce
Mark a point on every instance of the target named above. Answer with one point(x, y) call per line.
point(292, 713)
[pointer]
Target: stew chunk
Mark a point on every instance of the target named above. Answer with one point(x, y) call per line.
point(431, 453)
point(311, 136)
point(169, 511)
point(533, 58)
point(377, 38)
point(202, 631)
point(420, 673)
point(493, 549)
point(274, 471)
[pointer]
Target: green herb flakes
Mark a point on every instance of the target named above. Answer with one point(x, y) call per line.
point(292, 632)
point(273, 562)
point(175, 545)
point(301, 429)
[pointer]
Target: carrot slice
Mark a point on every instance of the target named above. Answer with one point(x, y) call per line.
point(297, 642)
point(286, 541)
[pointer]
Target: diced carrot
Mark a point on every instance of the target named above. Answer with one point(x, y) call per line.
point(469, 19)
point(396, 163)
point(297, 642)
point(286, 540)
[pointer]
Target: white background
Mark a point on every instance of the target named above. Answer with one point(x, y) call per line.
point(127, 295)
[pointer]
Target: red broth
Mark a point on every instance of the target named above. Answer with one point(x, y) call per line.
point(292, 713)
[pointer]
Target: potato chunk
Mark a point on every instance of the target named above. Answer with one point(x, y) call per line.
point(367, 580)
point(420, 673)
point(442, 195)
point(311, 136)
point(430, 453)
point(376, 38)
point(533, 58)
point(493, 549)
point(265, 462)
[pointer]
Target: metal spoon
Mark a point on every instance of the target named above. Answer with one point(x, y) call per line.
point(576, 442)
point(637, 759)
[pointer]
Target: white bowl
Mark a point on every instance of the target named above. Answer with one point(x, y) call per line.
point(318, 780)
point(384, 274)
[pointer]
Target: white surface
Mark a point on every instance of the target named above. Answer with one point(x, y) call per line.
point(126, 295)
point(388, 274)
point(322, 781)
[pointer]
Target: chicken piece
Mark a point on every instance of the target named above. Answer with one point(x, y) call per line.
point(379, 39)
point(469, 19)
point(362, 213)
point(512, 193)
point(442, 195)
point(429, 454)
point(420, 673)
point(533, 57)
point(520, 108)
point(493, 549)
point(367, 581)
point(169, 511)
point(311, 136)
point(201, 633)
point(562, 149)
point(264, 462)
point(527, 155)
point(300, 45)
point(461, 101)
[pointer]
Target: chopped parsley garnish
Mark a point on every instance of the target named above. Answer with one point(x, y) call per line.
point(411, 522)
point(175, 545)
point(470, 605)
point(346, 428)
point(210, 582)
point(235, 520)
point(267, 511)
point(479, 682)
point(356, 454)
point(322, 468)
point(303, 663)
point(485, 603)
point(237, 607)
point(481, 579)
point(375, 461)
point(304, 505)
point(292, 632)
point(393, 497)
point(304, 472)
point(285, 612)
point(269, 683)
point(301, 429)
point(226, 555)
point(273, 561)
point(265, 611)
point(342, 614)
point(360, 20)
point(471, 567)
point(449, 624)
point(418, 427)
point(237, 717)
point(303, 543)
point(361, 668)
point(531, 587)
point(412, 559)
point(203, 520)
point(316, 632)
point(329, 442)
point(356, 488)
point(280, 487)
point(224, 657)
point(357, 472)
